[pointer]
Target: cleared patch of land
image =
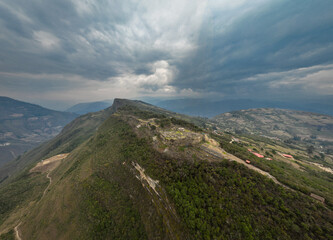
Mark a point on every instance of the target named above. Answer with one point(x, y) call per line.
point(49, 164)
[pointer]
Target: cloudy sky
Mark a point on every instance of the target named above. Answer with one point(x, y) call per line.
point(57, 53)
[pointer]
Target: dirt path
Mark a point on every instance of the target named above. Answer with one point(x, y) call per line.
point(219, 153)
point(17, 233)
point(48, 166)
point(13, 154)
point(48, 176)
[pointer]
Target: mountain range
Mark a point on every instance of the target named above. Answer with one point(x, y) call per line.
point(213, 107)
point(285, 125)
point(137, 171)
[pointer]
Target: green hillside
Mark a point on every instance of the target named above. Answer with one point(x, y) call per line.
point(139, 172)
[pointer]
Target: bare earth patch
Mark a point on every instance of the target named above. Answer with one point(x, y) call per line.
point(49, 164)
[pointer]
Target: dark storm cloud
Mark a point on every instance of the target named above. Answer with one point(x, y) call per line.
point(92, 50)
point(275, 37)
point(69, 37)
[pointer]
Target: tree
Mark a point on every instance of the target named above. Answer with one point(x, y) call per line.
point(310, 149)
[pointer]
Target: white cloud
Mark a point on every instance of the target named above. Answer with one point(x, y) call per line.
point(84, 6)
point(162, 75)
point(315, 80)
point(46, 40)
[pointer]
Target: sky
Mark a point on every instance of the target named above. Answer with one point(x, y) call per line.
point(58, 53)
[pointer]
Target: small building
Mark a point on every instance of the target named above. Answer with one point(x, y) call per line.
point(318, 198)
point(258, 155)
point(235, 139)
point(287, 156)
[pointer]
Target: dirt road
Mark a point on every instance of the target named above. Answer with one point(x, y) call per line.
point(17, 233)
point(48, 176)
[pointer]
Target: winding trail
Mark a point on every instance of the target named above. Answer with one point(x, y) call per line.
point(17, 233)
point(48, 176)
point(13, 154)
point(46, 165)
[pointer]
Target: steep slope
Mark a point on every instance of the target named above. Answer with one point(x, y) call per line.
point(296, 147)
point(146, 174)
point(83, 108)
point(78, 131)
point(24, 126)
point(70, 137)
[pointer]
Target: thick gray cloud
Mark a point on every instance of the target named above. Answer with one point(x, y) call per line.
point(275, 37)
point(86, 50)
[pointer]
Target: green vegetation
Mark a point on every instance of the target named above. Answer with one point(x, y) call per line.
point(8, 236)
point(167, 122)
point(307, 181)
point(225, 200)
point(109, 211)
point(26, 188)
point(161, 118)
point(96, 193)
point(143, 114)
point(116, 205)
point(74, 134)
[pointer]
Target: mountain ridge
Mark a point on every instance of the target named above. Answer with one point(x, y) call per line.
point(210, 108)
point(83, 108)
point(141, 172)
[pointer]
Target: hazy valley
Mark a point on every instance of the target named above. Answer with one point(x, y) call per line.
point(24, 126)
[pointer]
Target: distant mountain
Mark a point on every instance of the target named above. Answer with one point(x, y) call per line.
point(210, 108)
point(83, 108)
point(286, 125)
point(24, 126)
